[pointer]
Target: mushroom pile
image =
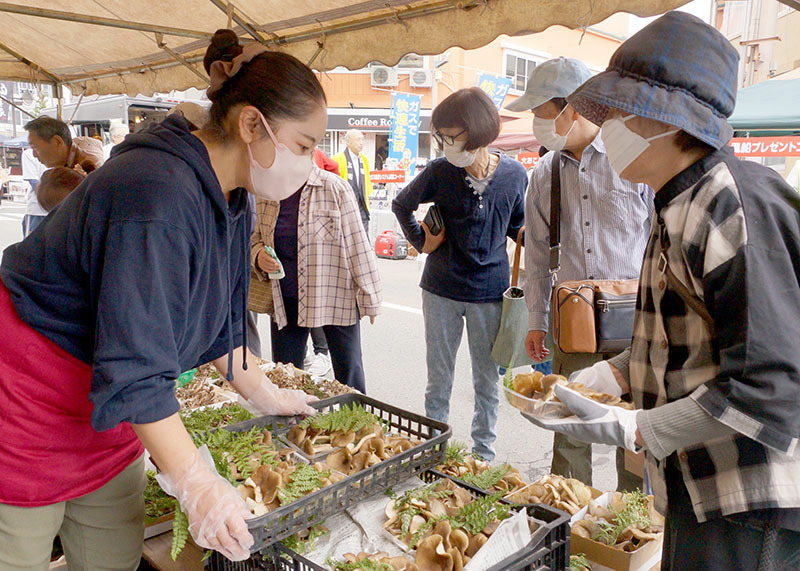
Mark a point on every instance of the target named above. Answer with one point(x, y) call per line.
point(286, 376)
point(445, 524)
point(371, 562)
point(627, 523)
point(313, 441)
point(273, 486)
point(352, 438)
point(566, 494)
point(535, 385)
point(478, 472)
point(368, 451)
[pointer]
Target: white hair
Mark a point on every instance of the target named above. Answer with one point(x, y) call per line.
point(352, 133)
point(118, 130)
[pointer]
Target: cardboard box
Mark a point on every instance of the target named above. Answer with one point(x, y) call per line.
point(634, 463)
point(643, 559)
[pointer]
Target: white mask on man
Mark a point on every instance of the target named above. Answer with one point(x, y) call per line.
point(457, 156)
point(623, 146)
point(545, 132)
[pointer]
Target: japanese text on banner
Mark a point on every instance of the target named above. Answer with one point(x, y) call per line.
point(495, 87)
point(766, 146)
point(405, 131)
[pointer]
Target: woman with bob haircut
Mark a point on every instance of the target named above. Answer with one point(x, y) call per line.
point(142, 273)
point(481, 198)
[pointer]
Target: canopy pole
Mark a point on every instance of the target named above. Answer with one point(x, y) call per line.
point(246, 26)
point(180, 58)
point(99, 21)
point(60, 97)
point(15, 106)
point(77, 105)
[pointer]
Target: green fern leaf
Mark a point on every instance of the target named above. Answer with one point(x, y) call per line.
point(180, 533)
point(489, 478)
point(302, 481)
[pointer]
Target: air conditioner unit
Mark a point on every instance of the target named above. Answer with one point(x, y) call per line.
point(421, 78)
point(381, 76)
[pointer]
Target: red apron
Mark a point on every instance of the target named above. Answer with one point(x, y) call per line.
point(49, 451)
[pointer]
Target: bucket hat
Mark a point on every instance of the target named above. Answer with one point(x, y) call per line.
point(677, 70)
point(554, 78)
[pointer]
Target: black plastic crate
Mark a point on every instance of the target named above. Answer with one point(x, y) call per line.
point(547, 550)
point(315, 507)
point(216, 562)
point(550, 551)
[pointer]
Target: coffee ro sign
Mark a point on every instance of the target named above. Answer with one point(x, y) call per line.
point(368, 123)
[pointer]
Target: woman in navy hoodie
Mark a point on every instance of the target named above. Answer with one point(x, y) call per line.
point(142, 273)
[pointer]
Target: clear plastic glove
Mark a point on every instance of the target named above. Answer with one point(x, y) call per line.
point(592, 421)
point(216, 511)
point(598, 377)
point(269, 400)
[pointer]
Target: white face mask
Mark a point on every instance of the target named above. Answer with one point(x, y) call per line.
point(457, 156)
point(288, 173)
point(545, 132)
point(623, 146)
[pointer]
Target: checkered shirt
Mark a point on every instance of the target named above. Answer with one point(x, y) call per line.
point(733, 238)
point(337, 273)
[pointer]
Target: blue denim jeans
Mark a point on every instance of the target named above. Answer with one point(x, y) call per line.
point(444, 325)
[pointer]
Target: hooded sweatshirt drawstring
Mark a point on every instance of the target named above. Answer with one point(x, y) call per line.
point(229, 318)
point(246, 252)
point(246, 246)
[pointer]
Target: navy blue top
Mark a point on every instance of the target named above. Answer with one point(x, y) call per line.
point(471, 265)
point(141, 272)
point(286, 242)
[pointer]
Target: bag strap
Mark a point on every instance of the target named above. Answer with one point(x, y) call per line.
point(555, 216)
point(689, 298)
point(517, 256)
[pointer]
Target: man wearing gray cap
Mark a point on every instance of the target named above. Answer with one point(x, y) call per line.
point(714, 366)
point(604, 226)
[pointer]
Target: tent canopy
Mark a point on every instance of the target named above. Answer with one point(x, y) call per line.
point(144, 46)
point(769, 105)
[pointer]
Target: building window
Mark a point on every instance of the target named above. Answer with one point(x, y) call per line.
point(775, 163)
point(326, 143)
point(734, 18)
point(784, 10)
point(519, 67)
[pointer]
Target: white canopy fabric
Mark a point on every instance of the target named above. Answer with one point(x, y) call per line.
point(134, 46)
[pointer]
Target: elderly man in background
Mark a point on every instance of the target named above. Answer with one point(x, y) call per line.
point(117, 131)
point(54, 146)
point(354, 168)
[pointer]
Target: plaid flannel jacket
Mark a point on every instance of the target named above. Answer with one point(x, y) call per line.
point(730, 232)
point(337, 270)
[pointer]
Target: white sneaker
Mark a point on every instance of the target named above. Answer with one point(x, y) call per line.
point(320, 365)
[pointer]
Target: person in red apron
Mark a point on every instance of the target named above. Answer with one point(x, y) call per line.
point(140, 274)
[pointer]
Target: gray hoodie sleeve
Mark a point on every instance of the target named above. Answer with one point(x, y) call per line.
point(677, 425)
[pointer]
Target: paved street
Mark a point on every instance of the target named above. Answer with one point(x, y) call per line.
point(394, 359)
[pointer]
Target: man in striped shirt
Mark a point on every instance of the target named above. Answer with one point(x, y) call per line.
point(605, 223)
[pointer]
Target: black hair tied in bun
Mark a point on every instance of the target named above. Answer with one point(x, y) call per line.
point(224, 46)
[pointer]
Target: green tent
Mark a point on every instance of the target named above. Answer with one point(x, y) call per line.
point(768, 108)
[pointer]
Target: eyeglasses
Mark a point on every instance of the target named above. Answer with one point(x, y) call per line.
point(443, 140)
